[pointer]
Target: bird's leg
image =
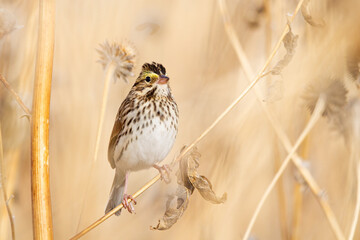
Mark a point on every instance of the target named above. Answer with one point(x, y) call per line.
point(128, 205)
point(164, 171)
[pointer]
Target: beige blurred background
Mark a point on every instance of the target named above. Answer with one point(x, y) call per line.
point(240, 156)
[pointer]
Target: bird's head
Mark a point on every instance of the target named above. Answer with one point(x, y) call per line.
point(152, 81)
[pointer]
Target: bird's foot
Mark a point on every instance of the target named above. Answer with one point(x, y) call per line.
point(129, 205)
point(164, 171)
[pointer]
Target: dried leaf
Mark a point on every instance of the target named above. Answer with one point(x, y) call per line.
point(290, 43)
point(307, 16)
point(173, 213)
point(203, 185)
point(188, 180)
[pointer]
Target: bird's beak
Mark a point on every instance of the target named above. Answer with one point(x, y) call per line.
point(163, 79)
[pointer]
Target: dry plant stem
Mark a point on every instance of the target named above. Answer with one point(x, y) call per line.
point(108, 77)
point(357, 206)
point(320, 105)
point(15, 95)
point(298, 195)
point(217, 120)
point(2, 185)
point(40, 182)
point(276, 125)
point(11, 170)
point(281, 196)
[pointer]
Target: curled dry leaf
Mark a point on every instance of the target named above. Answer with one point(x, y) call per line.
point(175, 207)
point(307, 16)
point(188, 180)
point(290, 43)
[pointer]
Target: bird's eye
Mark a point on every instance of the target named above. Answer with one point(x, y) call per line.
point(147, 79)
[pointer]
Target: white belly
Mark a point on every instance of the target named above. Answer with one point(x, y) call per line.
point(149, 145)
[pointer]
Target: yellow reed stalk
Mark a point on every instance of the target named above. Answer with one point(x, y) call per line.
point(40, 182)
point(3, 186)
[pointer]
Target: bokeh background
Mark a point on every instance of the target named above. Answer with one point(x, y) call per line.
point(240, 156)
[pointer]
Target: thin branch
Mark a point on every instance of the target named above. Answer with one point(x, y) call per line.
point(108, 77)
point(187, 149)
point(40, 179)
point(2, 184)
point(276, 125)
point(357, 206)
point(314, 118)
point(15, 95)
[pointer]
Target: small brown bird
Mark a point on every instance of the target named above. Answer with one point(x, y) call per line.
point(144, 131)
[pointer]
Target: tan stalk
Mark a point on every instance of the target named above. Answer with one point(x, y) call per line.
point(298, 195)
point(281, 191)
point(276, 125)
point(40, 180)
point(281, 196)
point(357, 206)
point(15, 95)
point(3, 186)
point(108, 77)
point(12, 170)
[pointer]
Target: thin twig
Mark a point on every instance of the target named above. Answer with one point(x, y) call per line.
point(15, 95)
point(314, 118)
point(2, 184)
point(298, 194)
point(108, 77)
point(357, 206)
point(276, 125)
point(40, 179)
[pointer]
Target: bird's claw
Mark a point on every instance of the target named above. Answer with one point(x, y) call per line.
point(165, 172)
point(128, 205)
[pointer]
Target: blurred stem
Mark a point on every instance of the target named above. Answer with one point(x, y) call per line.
point(108, 77)
point(282, 197)
point(3, 186)
point(15, 95)
point(12, 171)
point(357, 206)
point(298, 193)
point(40, 182)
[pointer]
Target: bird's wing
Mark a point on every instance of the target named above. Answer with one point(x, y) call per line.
point(117, 129)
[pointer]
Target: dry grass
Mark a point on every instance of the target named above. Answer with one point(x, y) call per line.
point(239, 155)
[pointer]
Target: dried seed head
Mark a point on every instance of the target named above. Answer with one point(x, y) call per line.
point(7, 22)
point(121, 54)
point(335, 93)
point(336, 100)
point(353, 64)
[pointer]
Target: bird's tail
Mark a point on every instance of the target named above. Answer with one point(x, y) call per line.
point(117, 191)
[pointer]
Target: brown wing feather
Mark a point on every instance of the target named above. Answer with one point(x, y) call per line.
point(117, 129)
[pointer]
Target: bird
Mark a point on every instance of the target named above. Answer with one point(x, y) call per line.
point(144, 132)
